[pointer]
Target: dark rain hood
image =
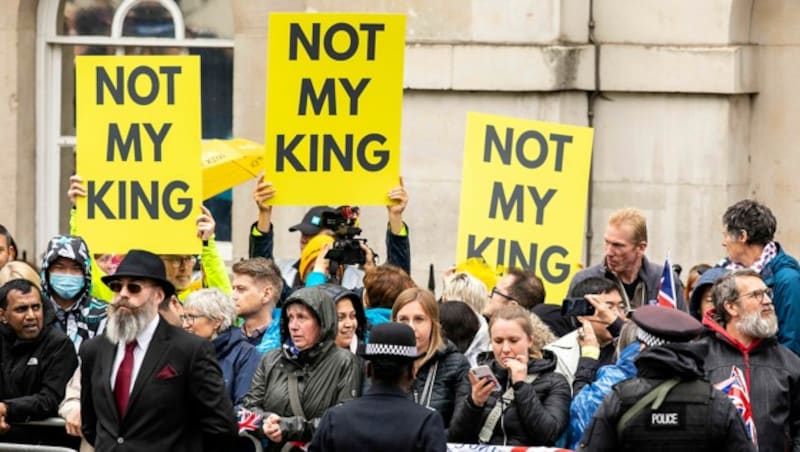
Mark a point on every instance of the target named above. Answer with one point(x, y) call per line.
point(321, 304)
point(683, 360)
point(70, 247)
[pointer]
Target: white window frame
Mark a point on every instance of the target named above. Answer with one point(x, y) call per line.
point(49, 140)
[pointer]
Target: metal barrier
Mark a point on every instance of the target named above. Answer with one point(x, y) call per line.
point(59, 423)
point(55, 422)
point(32, 448)
point(49, 422)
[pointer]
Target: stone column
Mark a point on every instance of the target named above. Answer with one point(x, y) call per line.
point(17, 122)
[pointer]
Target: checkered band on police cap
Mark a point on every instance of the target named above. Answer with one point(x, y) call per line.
point(648, 339)
point(658, 325)
point(390, 340)
point(391, 350)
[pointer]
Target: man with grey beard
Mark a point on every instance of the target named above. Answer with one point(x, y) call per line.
point(761, 376)
point(146, 384)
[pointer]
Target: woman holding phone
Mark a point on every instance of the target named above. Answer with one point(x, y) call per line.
point(531, 405)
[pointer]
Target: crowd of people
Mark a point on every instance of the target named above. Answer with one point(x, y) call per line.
point(169, 352)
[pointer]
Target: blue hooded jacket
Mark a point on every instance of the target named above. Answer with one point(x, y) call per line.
point(238, 360)
point(591, 396)
point(782, 275)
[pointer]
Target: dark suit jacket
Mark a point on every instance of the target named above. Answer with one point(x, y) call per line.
point(178, 402)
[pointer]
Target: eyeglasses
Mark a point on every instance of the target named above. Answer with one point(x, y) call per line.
point(133, 288)
point(506, 296)
point(758, 295)
point(190, 318)
point(618, 306)
point(176, 261)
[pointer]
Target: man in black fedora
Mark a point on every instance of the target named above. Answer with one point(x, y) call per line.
point(384, 418)
point(148, 385)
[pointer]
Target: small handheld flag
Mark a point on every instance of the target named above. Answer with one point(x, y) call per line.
point(736, 389)
point(249, 421)
point(666, 290)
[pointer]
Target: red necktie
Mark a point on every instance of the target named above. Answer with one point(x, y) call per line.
point(122, 386)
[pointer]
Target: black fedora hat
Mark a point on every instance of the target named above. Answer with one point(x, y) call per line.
point(390, 340)
point(142, 264)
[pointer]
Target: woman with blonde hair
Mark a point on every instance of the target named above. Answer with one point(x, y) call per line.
point(531, 405)
point(440, 370)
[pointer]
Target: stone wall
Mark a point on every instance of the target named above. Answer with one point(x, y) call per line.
point(17, 121)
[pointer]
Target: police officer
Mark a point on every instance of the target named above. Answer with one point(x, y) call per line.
point(668, 406)
point(384, 418)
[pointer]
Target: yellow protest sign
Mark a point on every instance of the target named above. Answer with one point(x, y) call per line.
point(334, 102)
point(523, 196)
point(138, 152)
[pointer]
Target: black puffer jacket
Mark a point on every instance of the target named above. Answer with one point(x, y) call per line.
point(656, 364)
point(537, 416)
point(34, 373)
point(326, 373)
point(450, 384)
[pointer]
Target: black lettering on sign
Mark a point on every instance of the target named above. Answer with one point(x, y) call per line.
point(514, 254)
point(141, 93)
point(184, 204)
point(339, 48)
point(135, 202)
point(532, 155)
point(327, 94)
point(516, 202)
point(133, 139)
point(94, 200)
point(290, 155)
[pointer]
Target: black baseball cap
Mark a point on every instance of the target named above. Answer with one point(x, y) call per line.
point(312, 221)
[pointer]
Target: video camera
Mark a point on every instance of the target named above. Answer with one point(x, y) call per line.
point(343, 221)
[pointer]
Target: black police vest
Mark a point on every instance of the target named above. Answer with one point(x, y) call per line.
point(681, 423)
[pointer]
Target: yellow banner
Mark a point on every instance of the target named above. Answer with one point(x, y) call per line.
point(334, 103)
point(523, 196)
point(138, 152)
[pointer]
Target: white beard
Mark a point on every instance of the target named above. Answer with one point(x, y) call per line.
point(124, 326)
point(754, 325)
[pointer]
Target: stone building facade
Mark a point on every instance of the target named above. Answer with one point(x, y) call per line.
point(691, 103)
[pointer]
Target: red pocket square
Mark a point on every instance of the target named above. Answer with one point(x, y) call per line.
point(166, 373)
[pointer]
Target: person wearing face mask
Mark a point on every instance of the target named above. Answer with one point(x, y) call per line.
point(67, 284)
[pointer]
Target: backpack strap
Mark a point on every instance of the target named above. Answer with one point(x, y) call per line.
point(655, 396)
point(497, 411)
point(294, 395)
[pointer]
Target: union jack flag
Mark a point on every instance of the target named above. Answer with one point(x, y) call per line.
point(249, 421)
point(666, 290)
point(736, 389)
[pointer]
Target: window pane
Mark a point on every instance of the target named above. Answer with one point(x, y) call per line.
point(202, 18)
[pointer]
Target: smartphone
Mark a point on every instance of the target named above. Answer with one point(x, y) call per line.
point(483, 372)
point(574, 307)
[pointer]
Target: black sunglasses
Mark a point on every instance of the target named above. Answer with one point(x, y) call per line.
point(133, 288)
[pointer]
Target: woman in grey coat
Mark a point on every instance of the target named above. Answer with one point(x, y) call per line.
point(295, 384)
